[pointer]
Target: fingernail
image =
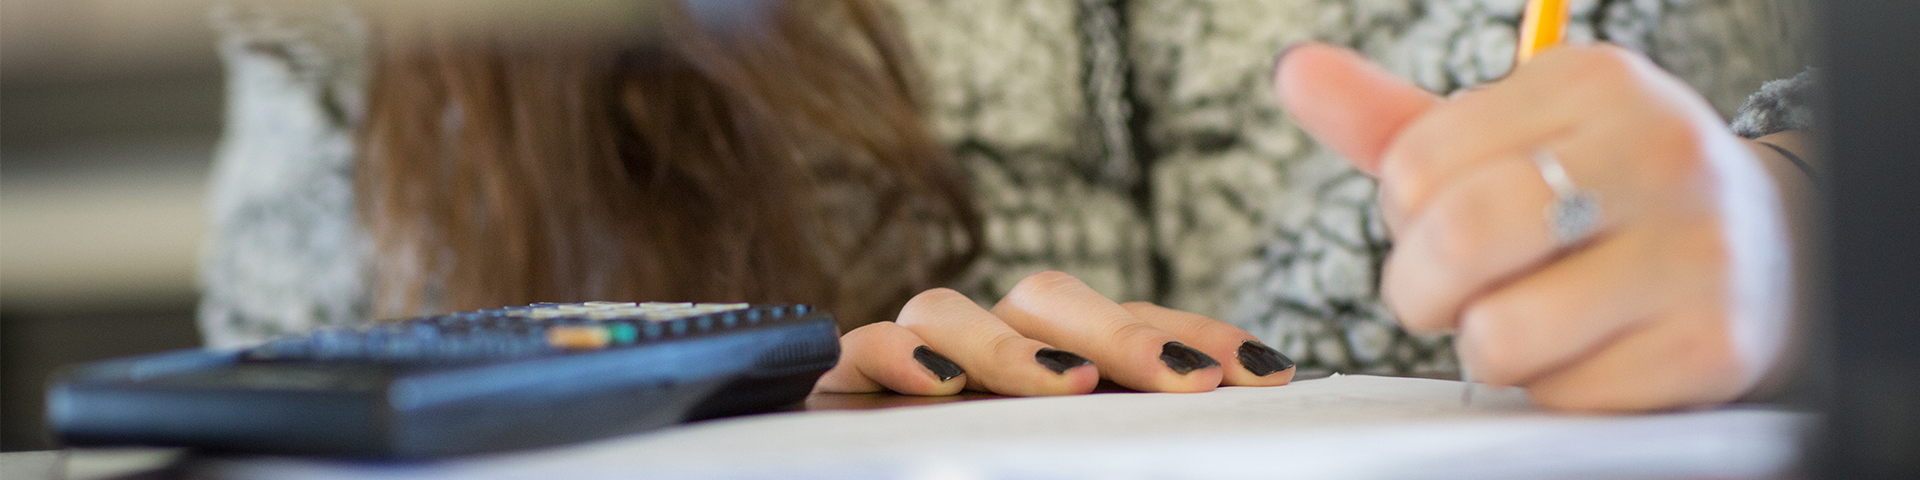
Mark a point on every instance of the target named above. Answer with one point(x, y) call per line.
point(936, 363)
point(1059, 361)
point(1261, 359)
point(1182, 358)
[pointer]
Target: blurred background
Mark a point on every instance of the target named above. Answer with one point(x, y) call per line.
point(109, 111)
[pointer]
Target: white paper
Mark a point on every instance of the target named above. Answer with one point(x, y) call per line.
point(1360, 427)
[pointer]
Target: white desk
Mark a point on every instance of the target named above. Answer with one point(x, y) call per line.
point(1342, 427)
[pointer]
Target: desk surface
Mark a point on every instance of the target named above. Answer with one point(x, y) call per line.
point(137, 463)
point(1341, 427)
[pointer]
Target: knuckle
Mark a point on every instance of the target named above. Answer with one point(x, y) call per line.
point(928, 305)
point(1211, 327)
point(869, 332)
point(1042, 284)
point(1122, 333)
point(1206, 331)
point(1455, 237)
point(1604, 65)
point(1605, 74)
point(1614, 57)
point(935, 296)
point(1418, 324)
point(1404, 179)
point(1007, 345)
point(1180, 323)
point(1492, 342)
point(1396, 288)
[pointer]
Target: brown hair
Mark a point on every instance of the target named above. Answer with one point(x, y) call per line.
point(775, 156)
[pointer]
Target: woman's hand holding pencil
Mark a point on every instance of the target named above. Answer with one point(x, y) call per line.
point(1677, 294)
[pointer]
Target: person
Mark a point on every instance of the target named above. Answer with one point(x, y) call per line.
point(476, 174)
point(717, 156)
point(647, 150)
point(1680, 296)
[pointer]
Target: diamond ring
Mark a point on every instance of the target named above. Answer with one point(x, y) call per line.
point(1575, 212)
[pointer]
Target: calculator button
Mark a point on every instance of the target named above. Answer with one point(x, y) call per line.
point(516, 332)
point(622, 333)
point(578, 337)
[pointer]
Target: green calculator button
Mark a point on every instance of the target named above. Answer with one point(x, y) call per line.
point(623, 333)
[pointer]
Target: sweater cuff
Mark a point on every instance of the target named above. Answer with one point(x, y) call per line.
point(1779, 106)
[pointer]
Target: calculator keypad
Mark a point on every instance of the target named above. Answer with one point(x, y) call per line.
point(517, 332)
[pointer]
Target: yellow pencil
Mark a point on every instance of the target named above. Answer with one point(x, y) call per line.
point(1543, 27)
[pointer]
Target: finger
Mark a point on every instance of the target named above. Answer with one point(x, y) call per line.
point(1058, 309)
point(1486, 227)
point(1244, 360)
point(1549, 97)
point(995, 357)
point(1345, 101)
point(1490, 225)
point(1685, 357)
point(887, 356)
point(1568, 310)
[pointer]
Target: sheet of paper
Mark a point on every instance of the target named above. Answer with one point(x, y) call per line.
point(1361, 427)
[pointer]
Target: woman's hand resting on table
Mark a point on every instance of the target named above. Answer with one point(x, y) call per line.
point(1681, 294)
point(1051, 335)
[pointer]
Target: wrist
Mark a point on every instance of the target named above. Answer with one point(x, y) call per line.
point(1792, 162)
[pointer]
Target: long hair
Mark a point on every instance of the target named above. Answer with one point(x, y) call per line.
point(775, 156)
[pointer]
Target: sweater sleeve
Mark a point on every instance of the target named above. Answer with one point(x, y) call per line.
point(285, 252)
point(1779, 106)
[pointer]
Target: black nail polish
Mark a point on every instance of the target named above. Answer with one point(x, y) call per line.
point(936, 363)
point(1059, 361)
point(1261, 359)
point(1183, 359)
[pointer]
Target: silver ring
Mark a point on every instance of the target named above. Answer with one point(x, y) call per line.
point(1575, 212)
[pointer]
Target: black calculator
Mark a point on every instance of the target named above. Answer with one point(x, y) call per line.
point(488, 380)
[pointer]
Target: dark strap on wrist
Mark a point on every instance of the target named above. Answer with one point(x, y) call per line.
point(1797, 162)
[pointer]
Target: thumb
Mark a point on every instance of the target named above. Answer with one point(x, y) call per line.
point(1345, 101)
